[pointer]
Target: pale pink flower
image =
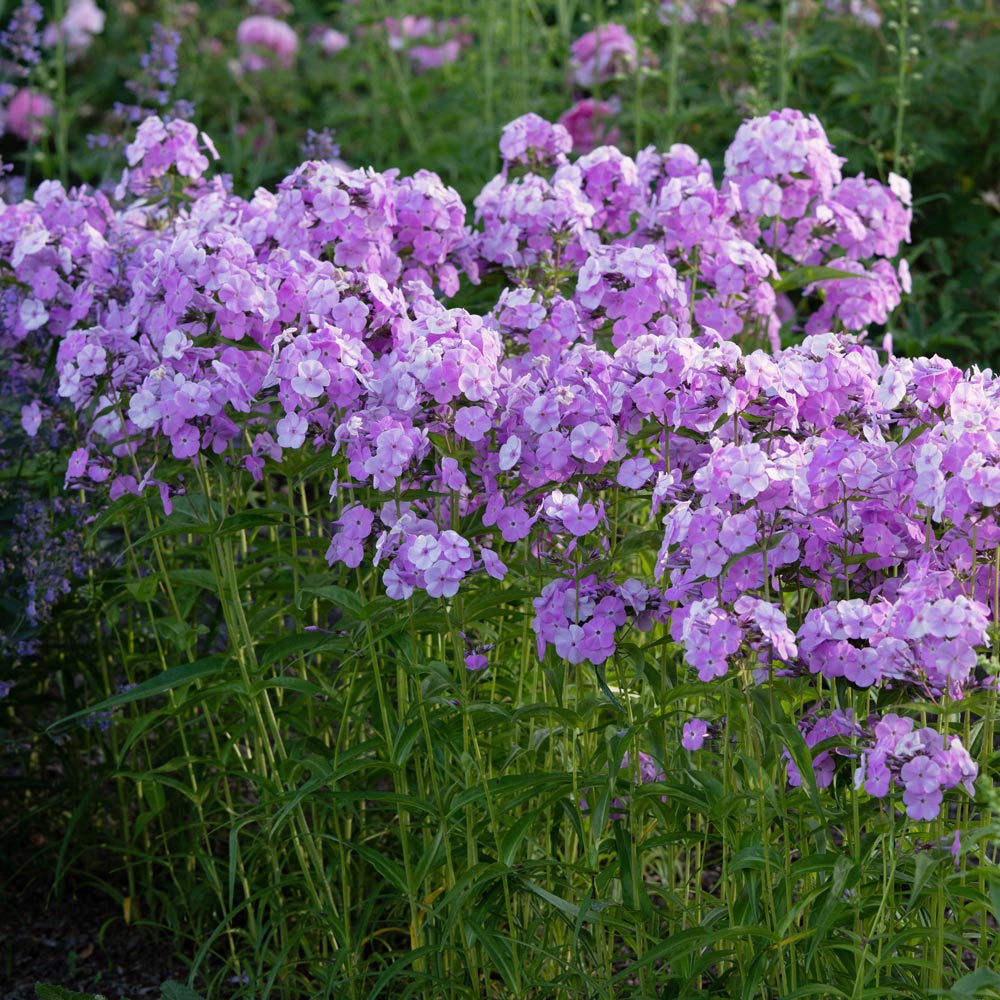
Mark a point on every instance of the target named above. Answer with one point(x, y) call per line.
point(332, 41)
point(605, 52)
point(27, 114)
point(83, 20)
point(265, 41)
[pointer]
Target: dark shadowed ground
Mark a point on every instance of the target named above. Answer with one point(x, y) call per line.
point(80, 942)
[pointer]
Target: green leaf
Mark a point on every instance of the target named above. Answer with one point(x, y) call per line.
point(514, 837)
point(390, 870)
point(802, 276)
point(647, 542)
point(45, 991)
point(923, 869)
point(292, 645)
point(627, 875)
point(802, 757)
point(143, 590)
point(203, 578)
point(498, 946)
point(971, 987)
point(571, 910)
point(340, 597)
point(607, 692)
point(171, 990)
point(176, 524)
point(169, 680)
point(262, 517)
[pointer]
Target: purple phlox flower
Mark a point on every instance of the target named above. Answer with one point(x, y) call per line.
point(815, 729)
point(694, 734)
point(535, 142)
point(709, 635)
point(578, 519)
point(599, 55)
point(771, 622)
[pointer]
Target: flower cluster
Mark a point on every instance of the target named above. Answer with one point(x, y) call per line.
point(192, 323)
point(266, 42)
point(20, 43)
point(428, 44)
point(783, 205)
point(581, 618)
point(602, 54)
point(82, 21)
point(152, 89)
point(27, 114)
point(23, 110)
point(590, 123)
point(42, 556)
point(597, 58)
point(865, 12)
point(891, 752)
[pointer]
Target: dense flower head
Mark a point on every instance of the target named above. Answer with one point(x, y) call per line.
point(322, 145)
point(430, 229)
point(272, 8)
point(81, 22)
point(27, 115)
point(780, 162)
point(580, 618)
point(602, 54)
point(162, 148)
point(42, 558)
point(868, 218)
point(610, 181)
point(591, 123)
point(266, 41)
point(331, 41)
point(735, 237)
point(530, 221)
point(321, 205)
point(154, 85)
point(865, 12)
point(635, 290)
point(534, 142)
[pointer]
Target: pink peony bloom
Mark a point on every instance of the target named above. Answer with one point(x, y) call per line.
point(265, 41)
point(605, 52)
point(589, 124)
point(27, 113)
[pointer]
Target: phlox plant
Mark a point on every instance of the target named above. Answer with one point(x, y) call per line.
point(902, 87)
point(577, 640)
